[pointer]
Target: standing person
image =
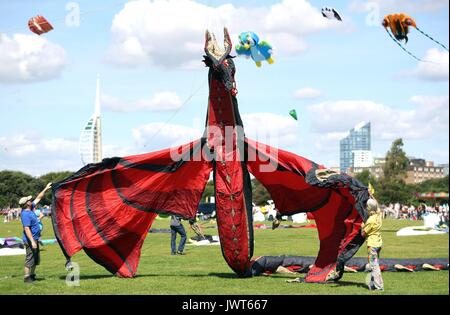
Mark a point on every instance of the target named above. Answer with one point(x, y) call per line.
point(31, 234)
point(40, 216)
point(177, 227)
point(372, 231)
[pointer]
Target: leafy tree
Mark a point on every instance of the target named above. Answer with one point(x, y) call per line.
point(52, 177)
point(366, 177)
point(394, 190)
point(396, 165)
point(435, 185)
point(392, 186)
point(14, 185)
point(209, 191)
point(260, 193)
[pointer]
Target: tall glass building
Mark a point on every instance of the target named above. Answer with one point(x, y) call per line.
point(358, 139)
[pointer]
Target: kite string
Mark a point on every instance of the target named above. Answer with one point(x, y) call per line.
point(437, 42)
point(405, 50)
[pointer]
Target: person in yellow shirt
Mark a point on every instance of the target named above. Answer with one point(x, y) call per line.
point(372, 231)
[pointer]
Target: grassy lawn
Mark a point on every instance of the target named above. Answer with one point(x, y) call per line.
point(204, 271)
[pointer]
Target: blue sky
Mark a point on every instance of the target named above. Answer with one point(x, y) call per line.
point(355, 68)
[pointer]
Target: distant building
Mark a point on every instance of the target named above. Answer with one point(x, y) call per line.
point(420, 170)
point(355, 147)
point(335, 169)
point(362, 158)
point(445, 167)
point(91, 135)
point(379, 161)
point(375, 171)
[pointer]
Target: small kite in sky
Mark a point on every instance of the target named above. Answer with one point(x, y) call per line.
point(39, 25)
point(399, 25)
point(331, 13)
point(293, 114)
point(249, 46)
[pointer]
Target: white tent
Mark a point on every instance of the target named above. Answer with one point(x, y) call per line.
point(300, 218)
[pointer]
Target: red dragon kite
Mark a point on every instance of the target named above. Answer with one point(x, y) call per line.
point(107, 208)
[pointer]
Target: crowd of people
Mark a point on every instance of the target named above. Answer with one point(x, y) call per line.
point(405, 212)
point(14, 214)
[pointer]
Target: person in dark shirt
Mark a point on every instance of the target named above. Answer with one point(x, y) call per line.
point(177, 227)
point(31, 234)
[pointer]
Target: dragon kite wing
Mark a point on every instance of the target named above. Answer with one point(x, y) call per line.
point(336, 201)
point(108, 208)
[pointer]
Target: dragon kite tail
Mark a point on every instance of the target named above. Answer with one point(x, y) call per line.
point(107, 208)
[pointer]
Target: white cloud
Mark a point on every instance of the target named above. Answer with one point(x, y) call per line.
point(159, 135)
point(36, 155)
point(29, 58)
point(437, 67)
point(423, 126)
point(428, 118)
point(160, 32)
point(399, 5)
point(307, 93)
point(271, 129)
point(112, 150)
point(162, 101)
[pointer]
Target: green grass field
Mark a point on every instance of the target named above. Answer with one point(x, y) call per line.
point(204, 271)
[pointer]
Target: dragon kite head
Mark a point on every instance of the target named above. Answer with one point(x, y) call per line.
point(219, 60)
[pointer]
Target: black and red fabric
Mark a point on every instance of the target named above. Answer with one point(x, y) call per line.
point(336, 203)
point(107, 208)
point(301, 264)
point(233, 194)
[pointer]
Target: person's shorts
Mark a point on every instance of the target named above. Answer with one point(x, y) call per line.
point(32, 256)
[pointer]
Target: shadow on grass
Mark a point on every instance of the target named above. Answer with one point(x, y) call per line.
point(90, 277)
point(222, 275)
point(214, 274)
point(349, 284)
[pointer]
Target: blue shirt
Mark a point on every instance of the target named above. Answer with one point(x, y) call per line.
point(29, 219)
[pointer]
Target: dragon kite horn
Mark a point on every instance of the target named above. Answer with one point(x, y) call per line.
point(212, 49)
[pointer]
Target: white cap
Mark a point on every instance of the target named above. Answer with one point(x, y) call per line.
point(24, 200)
point(372, 205)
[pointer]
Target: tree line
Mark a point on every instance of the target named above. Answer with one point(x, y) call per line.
point(14, 185)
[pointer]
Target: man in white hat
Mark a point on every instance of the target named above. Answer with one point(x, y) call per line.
point(31, 233)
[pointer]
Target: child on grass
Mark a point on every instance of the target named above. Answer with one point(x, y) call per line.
point(372, 231)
